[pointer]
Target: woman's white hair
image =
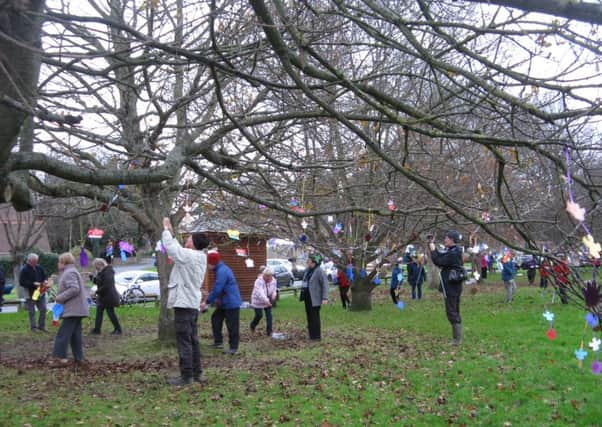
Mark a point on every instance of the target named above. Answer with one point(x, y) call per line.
point(32, 256)
point(267, 272)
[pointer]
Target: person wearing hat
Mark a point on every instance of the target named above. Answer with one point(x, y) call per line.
point(448, 260)
point(225, 294)
point(184, 296)
point(263, 298)
point(314, 293)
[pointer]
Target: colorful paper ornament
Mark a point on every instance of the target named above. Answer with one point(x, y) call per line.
point(123, 256)
point(594, 344)
point(249, 263)
point(376, 280)
point(126, 247)
point(391, 205)
point(57, 310)
point(233, 234)
point(580, 354)
point(363, 274)
point(330, 219)
point(592, 295)
point(338, 227)
point(241, 252)
point(304, 224)
point(121, 187)
point(368, 237)
point(593, 247)
point(596, 367)
point(485, 216)
point(294, 202)
point(303, 238)
point(262, 207)
point(551, 334)
point(592, 320)
point(400, 305)
point(575, 210)
point(548, 316)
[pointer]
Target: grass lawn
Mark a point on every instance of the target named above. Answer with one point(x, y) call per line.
point(384, 367)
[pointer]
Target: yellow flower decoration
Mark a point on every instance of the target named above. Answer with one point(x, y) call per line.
point(593, 247)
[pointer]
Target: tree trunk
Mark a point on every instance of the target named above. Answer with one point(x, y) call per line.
point(167, 326)
point(433, 273)
point(361, 295)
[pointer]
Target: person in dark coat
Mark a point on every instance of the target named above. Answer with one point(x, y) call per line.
point(416, 276)
point(396, 282)
point(34, 277)
point(448, 260)
point(314, 293)
point(107, 297)
point(73, 295)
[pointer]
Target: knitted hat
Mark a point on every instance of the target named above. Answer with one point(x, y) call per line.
point(213, 258)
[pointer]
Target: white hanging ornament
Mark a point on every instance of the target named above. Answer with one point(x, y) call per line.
point(303, 224)
point(187, 217)
point(249, 263)
point(330, 219)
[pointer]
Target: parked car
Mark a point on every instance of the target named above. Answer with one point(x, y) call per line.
point(147, 280)
point(284, 278)
point(297, 270)
point(330, 269)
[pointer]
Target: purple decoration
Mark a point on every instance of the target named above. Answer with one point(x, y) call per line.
point(126, 247)
point(83, 257)
point(592, 320)
point(596, 367)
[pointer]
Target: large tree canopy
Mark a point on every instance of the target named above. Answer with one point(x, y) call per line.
point(459, 112)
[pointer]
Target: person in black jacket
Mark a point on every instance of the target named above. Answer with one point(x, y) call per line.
point(447, 261)
point(416, 276)
point(33, 277)
point(107, 297)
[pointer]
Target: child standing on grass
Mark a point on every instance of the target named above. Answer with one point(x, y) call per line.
point(508, 274)
point(344, 285)
point(396, 282)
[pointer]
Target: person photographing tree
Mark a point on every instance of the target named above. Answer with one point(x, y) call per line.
point(184, 296)
point(451, 277)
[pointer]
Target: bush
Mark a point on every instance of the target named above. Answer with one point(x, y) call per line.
point(7, 266)
point(49, 262)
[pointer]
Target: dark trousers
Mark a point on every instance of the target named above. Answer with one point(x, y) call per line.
point(111, 313)
point(31, 308)
point(2, 295)
point(531, 276)
point(543, 282)
point(344, 291)
point(70, 332)
point(417, 290)
point(232, 316)
point(268, 319)
point(393, 292)
point(562, 293)
point(313, 319)
point(187, 341)
point(483, 272)
point(452, 309)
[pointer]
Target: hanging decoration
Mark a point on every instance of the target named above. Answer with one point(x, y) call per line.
point(241, 252)
point(303, 238)
point(338, 227)
point(551, 333)
point(57, 310)
point(391, 205)
point(304, 224)
point(485, 216)
point(233, 234)
point(400, 305)
point(330, 219)
point(262, 207)
point(249, 263)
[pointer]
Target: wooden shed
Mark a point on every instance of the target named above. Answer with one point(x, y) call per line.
point(235, 253)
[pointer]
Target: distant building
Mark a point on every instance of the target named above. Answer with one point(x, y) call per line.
point(20, 226)
point(251, 245)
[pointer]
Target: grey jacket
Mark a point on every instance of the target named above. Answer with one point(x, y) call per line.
point(187, 276)
point(72, 293)
point(318, 287)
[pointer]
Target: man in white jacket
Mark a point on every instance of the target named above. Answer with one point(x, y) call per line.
point(185, 281)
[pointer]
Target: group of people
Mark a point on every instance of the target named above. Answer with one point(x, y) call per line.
point(416, 276)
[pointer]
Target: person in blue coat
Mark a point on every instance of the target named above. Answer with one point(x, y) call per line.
point(508, 272)
point(225, 295)
point(396, 282)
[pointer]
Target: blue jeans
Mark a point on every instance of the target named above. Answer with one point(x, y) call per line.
point(268, 319)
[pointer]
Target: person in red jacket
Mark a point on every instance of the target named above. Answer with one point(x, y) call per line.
point(344, 285)
point(561, 277)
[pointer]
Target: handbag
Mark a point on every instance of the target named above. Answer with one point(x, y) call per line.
point(457, 275)
point(303, 294)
